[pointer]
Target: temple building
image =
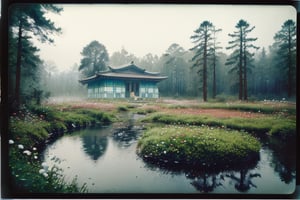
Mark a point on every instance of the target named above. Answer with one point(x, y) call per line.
point(123, 82)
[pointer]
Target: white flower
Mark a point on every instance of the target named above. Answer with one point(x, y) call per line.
point(20, 146)
point(11, 141)
point(28, 153)
point(45, 166)
point(35, 157)
point(45, 175)
point(165, 152)
point(41, 171)
point(34, 149)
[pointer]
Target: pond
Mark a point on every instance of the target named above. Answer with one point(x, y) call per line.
point(105, 159)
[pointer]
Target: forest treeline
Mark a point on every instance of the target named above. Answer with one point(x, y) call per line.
point(203, 71)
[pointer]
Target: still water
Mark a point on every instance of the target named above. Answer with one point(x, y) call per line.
point(105, 159)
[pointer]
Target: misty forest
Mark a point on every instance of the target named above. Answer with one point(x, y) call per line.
point(203, 71)
point(249, 92)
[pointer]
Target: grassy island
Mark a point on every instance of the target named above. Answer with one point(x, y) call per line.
point(197, 146)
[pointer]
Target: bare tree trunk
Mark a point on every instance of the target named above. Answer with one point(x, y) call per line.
point(241, 69)
point(205, 70)
point(18, 67)
point(245, 73)
point(290, 75)
point(214, 78)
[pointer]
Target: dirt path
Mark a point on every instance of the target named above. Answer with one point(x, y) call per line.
point(220, 113)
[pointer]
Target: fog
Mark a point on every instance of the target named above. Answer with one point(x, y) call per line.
point(157, 38)
point(143, 29)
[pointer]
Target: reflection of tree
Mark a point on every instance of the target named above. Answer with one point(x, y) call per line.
point(284, 158)
point(207, 183)
point(94, 146)
point(244, 182)
point(207, 178)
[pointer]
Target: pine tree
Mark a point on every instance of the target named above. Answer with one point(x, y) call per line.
point(213, 50)
point(27, 20)
point(241, 58)
point(201, 38)
point(286, 40)
point(95, 58)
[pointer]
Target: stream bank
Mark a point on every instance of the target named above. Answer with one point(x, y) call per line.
point(30, 131)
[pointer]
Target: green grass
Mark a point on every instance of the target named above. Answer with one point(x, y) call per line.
point(273, 125)
point(197, 146)
point(145, 111)
point(29, 133)
point(122, 108)
point(32, 126)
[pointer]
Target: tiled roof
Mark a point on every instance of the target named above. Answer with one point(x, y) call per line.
point(129, 72)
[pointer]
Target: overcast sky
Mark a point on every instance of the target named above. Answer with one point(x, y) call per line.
point(143, 29)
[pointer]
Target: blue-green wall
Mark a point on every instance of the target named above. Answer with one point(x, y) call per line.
point(148, 90)
point(117, 89)
point(106, 89)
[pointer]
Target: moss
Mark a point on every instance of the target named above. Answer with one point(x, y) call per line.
point(197, 146)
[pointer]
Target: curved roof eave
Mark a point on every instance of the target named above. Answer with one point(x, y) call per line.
point(124, 77)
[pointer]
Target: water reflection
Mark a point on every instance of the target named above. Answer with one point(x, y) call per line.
point(272, 172)
point(207, 182)
point(244, 180)
point(128, 133)
point(206, 179)
point(94, 145)
point(284, 158)
point(125, 136)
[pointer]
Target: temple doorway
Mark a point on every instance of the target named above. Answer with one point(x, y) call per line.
point(132, 89)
